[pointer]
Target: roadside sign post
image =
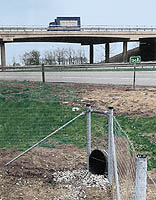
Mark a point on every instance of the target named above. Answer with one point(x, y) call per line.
point(134, 76)
point(134, 60)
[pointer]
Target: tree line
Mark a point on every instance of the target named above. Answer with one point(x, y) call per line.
point(64, 56)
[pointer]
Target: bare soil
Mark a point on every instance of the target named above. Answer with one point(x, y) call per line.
point(124, 99)
point(30, 177)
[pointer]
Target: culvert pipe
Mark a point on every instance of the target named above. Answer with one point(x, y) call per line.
point(98, 162)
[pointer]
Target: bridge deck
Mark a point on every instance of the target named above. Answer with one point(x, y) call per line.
point(86, 35)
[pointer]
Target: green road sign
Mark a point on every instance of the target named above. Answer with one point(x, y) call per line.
point(135, 60)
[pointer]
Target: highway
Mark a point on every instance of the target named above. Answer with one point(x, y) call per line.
point(115, 78)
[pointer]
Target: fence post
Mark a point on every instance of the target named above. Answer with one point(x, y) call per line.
point(141, 177)
point(43, 73)
point(110, 154)
point(88, 118)
point(113, 161)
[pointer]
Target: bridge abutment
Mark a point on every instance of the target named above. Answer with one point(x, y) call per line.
point(148, 49)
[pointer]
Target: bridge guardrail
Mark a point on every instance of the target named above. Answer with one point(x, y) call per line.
point(21, 29)
point(83, 28)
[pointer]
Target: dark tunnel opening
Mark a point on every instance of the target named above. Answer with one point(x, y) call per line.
point(98, 162)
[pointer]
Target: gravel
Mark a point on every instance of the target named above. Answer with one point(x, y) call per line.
point(77, 181)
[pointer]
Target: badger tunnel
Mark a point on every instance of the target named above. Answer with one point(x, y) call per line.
point(98, 161)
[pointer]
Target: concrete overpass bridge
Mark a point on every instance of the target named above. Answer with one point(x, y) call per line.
point(88, 35)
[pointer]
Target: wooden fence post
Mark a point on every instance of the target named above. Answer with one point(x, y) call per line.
point(43, 73)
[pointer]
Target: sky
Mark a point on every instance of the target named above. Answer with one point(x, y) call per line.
point(92, 12)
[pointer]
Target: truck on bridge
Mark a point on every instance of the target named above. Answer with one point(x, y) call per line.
point(65, 24)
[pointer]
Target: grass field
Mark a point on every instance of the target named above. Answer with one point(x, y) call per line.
point(31, 111)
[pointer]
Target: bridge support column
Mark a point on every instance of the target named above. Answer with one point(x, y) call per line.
point(107, 52)
point(125, 51)
point(155, 49)
point(3, 59)
point(91, 54)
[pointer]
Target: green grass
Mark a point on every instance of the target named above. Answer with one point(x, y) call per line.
point(26, 122)
point(138, 130)
point(31, 112)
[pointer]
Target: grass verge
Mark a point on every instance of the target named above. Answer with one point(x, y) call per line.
point(31, 111)
point(111, 69)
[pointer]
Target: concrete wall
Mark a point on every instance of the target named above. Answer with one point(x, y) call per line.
point(119, 57)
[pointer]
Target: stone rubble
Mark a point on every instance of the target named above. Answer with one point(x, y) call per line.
point(77, 181)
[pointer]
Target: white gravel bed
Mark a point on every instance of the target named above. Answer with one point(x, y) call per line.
point(77, 181)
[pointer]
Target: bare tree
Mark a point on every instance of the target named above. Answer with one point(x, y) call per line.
point(81, 58)
point(64, 56)
point(75, 56)
point(49, 58)
point(69, 55)
point(60, 55)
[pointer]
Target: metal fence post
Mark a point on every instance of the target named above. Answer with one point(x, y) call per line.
point(134, 76)
point(141, 177)
point(110, 154)
point(88, 118)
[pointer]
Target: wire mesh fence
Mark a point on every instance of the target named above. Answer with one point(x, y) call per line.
point(126, 157)
point(26, 124)
point(126, 161)
point(125, 154)
point(27, 118)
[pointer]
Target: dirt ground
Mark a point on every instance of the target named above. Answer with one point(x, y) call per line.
point(124, 99)
point(30, 177)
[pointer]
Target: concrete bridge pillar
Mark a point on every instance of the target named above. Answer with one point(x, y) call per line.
point(3, 59)
point(155, 49)
point(91, 54)
point(107, 51)
point(125, 51)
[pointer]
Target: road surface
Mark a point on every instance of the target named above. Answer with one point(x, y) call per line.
point(117, 78)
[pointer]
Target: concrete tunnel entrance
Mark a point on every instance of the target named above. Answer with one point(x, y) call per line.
point(98, 162)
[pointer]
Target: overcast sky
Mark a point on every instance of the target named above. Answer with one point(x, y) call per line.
point(92, 12)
